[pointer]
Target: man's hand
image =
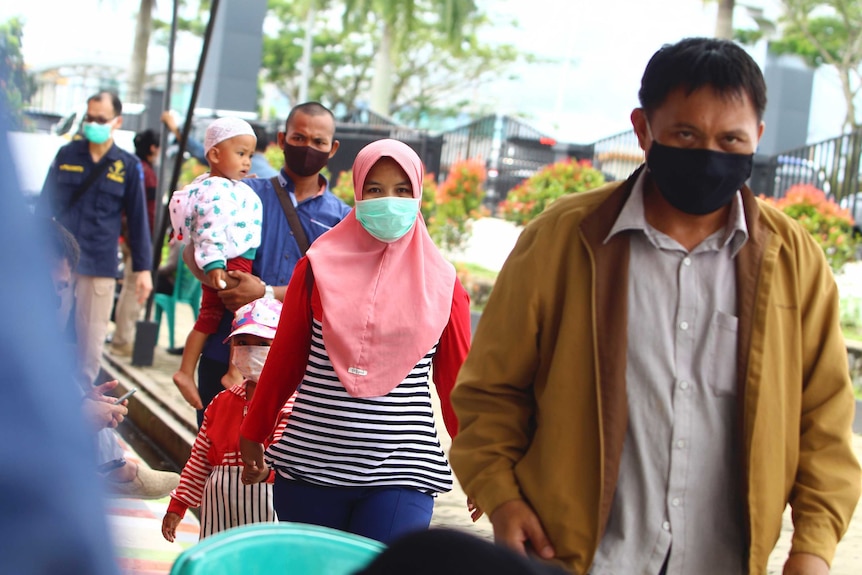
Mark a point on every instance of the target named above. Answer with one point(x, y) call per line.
point(805, 564)
point(248, 289)
point(475, 511)
point(517, 527)
point(102, 413)
point(252, 460)
point(143, 285)
point(99, 408)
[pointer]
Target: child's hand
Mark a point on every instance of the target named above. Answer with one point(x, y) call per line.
point(216, 278)
point(169, 526)
point(252, 475)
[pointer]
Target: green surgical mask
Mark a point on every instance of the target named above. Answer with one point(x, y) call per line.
point(387, 219)
point(97, 133)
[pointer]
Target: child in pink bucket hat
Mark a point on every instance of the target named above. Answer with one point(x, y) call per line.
point(211, 477)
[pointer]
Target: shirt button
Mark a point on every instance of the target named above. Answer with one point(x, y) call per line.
point(675, 501)
point(683, 325)
point(680, 443)
point(683, 385)
point(666, 525)
point(686, 261)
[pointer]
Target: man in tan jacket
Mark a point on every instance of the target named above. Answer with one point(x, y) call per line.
point(660, 368)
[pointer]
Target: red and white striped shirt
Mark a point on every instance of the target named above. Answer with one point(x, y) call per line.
point(217, 443)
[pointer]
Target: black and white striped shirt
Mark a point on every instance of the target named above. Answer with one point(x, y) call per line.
point(335, 439)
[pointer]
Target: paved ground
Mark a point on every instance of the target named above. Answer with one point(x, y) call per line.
point(450, 509)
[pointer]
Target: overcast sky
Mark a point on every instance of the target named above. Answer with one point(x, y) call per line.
point(600, 48)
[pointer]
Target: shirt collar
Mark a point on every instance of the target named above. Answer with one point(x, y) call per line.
point(288, 185)
point(633, 217)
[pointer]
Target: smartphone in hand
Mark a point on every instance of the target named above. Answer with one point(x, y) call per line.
point(125, 396)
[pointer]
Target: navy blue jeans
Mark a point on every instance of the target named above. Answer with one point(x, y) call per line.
point(381, 513)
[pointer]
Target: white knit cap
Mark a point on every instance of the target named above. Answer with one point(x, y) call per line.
point(225, 128)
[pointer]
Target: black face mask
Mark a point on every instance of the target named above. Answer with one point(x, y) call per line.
point(304, 161)
point(697, 181)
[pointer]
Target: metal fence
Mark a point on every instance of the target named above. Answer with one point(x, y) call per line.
point(831, 165)
point(512, 151)
point(617, 156)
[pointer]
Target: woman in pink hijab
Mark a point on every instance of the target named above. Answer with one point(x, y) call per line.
point(367, 313)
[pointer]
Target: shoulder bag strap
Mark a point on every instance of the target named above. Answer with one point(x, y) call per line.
point(292, 216)
point(97, 171)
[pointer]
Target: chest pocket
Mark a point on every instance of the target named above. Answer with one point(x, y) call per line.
point(67, 183)
point(722, 354)
point(110, 188)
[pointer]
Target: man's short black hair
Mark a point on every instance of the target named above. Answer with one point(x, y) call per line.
point(62, 245)
point(693, 63)
point(310, 109)
point(144, 141)
point(115, 100)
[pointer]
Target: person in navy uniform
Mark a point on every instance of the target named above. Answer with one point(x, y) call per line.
point(90, 185)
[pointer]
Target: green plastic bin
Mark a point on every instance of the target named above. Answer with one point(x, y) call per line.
point(283, 548)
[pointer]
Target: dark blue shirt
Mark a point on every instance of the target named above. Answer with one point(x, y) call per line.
point(278, 251)
point(95, 219)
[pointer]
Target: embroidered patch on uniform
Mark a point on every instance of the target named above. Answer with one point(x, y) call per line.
point(71, 168)
point(356, 371)
point(117, 172)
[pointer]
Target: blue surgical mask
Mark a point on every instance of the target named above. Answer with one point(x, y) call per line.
point(387, 219)
point(98, 133)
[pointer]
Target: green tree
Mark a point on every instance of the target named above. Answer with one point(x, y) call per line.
point(433, 79)
point(16, 85)
point(826, 32)
point(397, 20)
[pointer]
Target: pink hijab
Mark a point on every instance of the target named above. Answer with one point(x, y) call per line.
point(384, 304)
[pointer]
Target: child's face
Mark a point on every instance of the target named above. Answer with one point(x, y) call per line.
point(386, 179)
point(244, 339)
point(232, 158)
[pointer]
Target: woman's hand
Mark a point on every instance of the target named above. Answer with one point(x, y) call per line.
point(253, 466)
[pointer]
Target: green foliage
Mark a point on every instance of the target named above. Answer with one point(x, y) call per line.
point(830, 225)
point(456, 204)
point(831, 36)
point(344, 188)
point(16, 85)
point(274, 155)
point(529, 198)
point(826, 32)
point(478, 282)
point(431, 74)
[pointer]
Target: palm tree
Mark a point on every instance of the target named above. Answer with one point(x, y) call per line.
point(397, 18)
point(724, 19)
point(138, 65)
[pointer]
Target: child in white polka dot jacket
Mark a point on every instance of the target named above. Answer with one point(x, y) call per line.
point(221, 217)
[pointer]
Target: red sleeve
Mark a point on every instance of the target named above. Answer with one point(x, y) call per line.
point(451, 351)
point(196, 471)
point(287, 359)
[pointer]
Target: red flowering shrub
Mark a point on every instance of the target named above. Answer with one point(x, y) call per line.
point(458, 201)
point(830, 225)
point(529, 198)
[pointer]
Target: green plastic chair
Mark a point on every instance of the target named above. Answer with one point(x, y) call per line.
point(283, 548)
point(187, 290)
